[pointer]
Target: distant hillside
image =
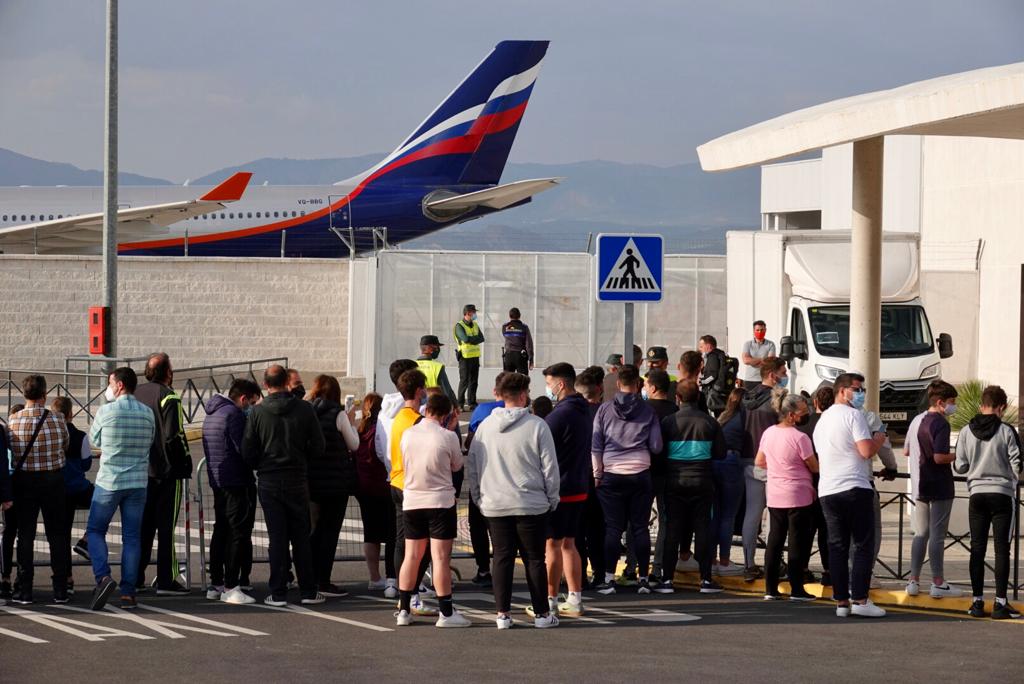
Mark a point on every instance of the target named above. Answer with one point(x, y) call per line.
point(17, 169)
point(691, 208)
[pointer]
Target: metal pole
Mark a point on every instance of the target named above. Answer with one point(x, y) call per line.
point(866, 264)
point(110, 181)
point(627, 342)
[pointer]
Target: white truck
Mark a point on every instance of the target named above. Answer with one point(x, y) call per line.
point(798, 282)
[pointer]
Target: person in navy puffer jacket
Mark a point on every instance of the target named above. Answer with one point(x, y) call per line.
point(234, 491)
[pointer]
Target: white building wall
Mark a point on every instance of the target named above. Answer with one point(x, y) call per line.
point(200, 311)
point(791, 186)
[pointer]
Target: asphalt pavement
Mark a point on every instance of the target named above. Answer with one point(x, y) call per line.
point(657, 637)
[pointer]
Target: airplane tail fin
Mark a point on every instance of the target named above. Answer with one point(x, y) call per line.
point(466, 140)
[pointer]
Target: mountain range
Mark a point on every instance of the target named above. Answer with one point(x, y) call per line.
point(691, 208)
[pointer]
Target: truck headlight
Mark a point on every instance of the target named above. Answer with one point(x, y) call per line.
point(931, 371)
point(828, 372)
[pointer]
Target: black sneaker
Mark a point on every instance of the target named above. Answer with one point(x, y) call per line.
point(60, 596)
point(82, 549)
point(23, 598)
point(331, 590)
point(173, 589)
point(483, 580)
point(826, 578)
point(129, 603)
point(102, 593)
point(606, 588)
point(6, 592)
point(773, 596)
point(71, 587)
point(1004, 611)
point(643, 586)
point(802, 596)
point(710, 587)
point(977, 609)
point(663, 587)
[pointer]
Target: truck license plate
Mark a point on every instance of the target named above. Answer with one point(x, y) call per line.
point(890, 416)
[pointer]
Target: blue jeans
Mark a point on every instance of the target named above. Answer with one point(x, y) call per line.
point(104, 504)
point(626, 499)
point(729, 487)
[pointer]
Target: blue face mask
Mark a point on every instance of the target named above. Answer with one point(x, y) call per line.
point(247, 410)
point(474, 317)
point(783, 382)
point(550, 395)
point(858, 399)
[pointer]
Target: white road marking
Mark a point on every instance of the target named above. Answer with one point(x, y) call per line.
point(164, 628)
point(202, 621)
point(23, 637)
point(302, 610)
point(61, 624)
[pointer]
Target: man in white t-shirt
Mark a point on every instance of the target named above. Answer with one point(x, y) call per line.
point(845, 446)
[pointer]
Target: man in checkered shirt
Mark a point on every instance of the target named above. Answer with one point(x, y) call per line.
point(39, 485)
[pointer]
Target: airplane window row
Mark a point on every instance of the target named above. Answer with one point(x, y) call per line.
point(228, 215)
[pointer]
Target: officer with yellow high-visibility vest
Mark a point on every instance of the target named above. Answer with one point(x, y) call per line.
point(430, 349)
point(468, 337)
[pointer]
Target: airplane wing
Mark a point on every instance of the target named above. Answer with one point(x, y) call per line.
point(86, 230)
point(498, 197)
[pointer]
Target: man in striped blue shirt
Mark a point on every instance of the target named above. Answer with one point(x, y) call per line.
point(123, 432)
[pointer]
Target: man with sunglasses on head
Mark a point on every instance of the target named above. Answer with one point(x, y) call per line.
point(845, 447)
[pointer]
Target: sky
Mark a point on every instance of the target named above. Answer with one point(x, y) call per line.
point(205, 85)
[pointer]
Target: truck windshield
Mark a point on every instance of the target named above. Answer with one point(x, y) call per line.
point(905, 331)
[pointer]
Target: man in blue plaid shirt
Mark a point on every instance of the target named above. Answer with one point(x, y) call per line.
point(123, 432)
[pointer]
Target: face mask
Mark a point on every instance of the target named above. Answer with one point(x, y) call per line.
point(759, 336)
point(247, 410)
point(782, 382)
point(550, 394)
point(643, 393)
point(858, 399)
point(950, 409)
point(434, 354)
point(803, 420)
point(474, 317)
point(110, 395)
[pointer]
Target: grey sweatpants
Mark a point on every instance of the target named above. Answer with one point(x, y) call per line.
point(756, 502)
point(930, 522)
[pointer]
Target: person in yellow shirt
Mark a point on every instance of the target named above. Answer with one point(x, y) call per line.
point(412, 385)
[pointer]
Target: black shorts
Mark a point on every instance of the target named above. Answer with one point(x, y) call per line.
point(564, 521)
point(378, 514)
point(432, 523)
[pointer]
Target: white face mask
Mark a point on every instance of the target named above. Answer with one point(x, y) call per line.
point(110, 395)
point(950, 409)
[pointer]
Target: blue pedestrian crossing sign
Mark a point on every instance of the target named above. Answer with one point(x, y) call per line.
point(629, 268)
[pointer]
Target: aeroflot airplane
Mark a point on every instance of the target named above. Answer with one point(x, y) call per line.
point(447, 171)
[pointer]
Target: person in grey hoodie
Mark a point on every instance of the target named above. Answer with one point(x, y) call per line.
point(390, 405)
point(988, 451)
point(512, 471)
point(626, 433)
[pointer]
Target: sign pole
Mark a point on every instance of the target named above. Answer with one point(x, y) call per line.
point(627, 356)
point(110, 183)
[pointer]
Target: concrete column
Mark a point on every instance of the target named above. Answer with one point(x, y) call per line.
point(866, 264)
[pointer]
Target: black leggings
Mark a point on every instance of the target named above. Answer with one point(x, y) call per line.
point(995, 511)
point(480, 538)
point(327, 515)
point(799, 523)
point(527, 533)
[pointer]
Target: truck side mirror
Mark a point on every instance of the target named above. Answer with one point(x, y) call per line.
point(787, 351)
point(800, 350)
point(945, 345)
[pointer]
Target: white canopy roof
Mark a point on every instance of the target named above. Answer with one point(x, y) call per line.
point(984, 103)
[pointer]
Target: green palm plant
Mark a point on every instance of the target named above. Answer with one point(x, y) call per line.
point(968, 401)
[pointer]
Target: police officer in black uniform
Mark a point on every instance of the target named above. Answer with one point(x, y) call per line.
point(517, 354)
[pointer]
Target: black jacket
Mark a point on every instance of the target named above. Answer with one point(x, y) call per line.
point(333, 471)
point(572, 429)
point(282, 435)
point(169, 456)
point(760, 416)
point(692, 440)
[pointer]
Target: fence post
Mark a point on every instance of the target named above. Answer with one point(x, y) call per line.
point(899, 559)
point(188, 539)
point(202, 523)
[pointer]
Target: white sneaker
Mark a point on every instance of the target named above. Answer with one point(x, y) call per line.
point(377, 586)
point(271, 601)
point(570, 609)
point(688, 565)
point(236, 596)
point(391, 588)
point(214, 592)
point(545, 622)
point(728, 570)
point(914, 588)
point(504, 621)
point(842, 611)
point(947, 591)
point(427, 592)
point(868, 609)
point(456, 619)
point(421, 608)
point(403, 618)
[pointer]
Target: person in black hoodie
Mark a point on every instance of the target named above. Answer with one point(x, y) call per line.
point(758, 417)
point(332, 479)
point(657, 390)
point(282, 436)
point(693, 439)
point(234, 491)
point(572, 429)
point(590, 535)
point(169, 463)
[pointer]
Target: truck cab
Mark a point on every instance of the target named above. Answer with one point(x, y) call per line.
point(817, 347)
